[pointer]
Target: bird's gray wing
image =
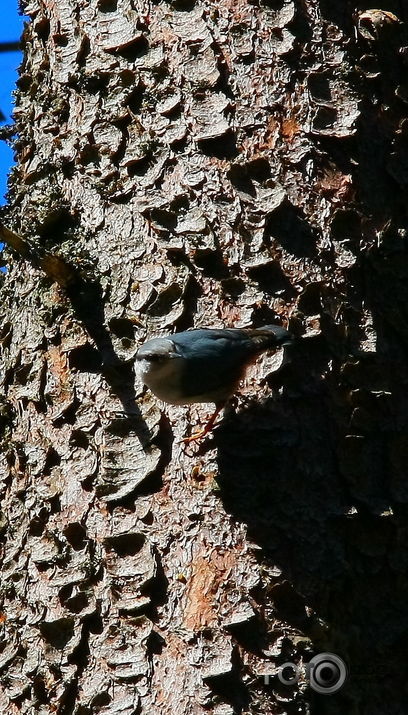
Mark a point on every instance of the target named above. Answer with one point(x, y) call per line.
point(213, 359)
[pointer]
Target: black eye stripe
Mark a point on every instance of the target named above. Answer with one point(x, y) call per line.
point(153, 357)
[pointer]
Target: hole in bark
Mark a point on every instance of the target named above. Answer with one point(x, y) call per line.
point(21, 375)
point(272, 279)
point(88, 484)
point(95, 84)
point(229, 687)
point(77, 603)
point(56, 226)
point(122, 328)
point(238, 175)
point(274, 4)
point(68, 169)
point(370, 66)
point(68, 700)
point(156, 589)
point(180, 203)
point(346, 226)
point(174, 113)
point(65, 592)
point(42, 28)
point(52, 459)
point(101, 700)
point(288, 226)
point(185, 5)
point(263, 315)
point(166, 219)
point(135, 99)
point(233, 286)
point(126, 544)
point(75, 534)
point(325, 118)
point(40, 691)
point(37, 524)
point(224, 80)
point(60, 40)
point(251, 635)
point(83, 51)
point(128, 78)
point(95, 623)
point(79, 439)
point(139, 167)
point(63, 116)
point(259, 169)
point(89, 155)
point(179, 144)
point(58, 633)
point(156, 643)
point(80, 654)
point(107, 5)
point(138, 48)
point(55, 504)
point(6, 414)
point(212, 263)
point(85, 359)
point(310, 301)
point(319, 86)
point(122, 124)
point(223, 147)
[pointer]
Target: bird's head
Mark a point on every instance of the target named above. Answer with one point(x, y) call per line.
point(154, 355)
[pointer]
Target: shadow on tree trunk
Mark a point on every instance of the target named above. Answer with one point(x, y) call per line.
point(313, 479)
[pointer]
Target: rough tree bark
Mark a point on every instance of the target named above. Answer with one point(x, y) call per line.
point(205, 163)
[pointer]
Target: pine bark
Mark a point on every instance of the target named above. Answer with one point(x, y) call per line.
point(205, 164)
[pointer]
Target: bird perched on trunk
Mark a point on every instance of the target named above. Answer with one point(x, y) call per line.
point(205, 364)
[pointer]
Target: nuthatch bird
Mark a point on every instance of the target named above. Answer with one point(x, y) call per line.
point(204, 365)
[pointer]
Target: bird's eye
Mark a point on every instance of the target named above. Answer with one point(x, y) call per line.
point(154, 357)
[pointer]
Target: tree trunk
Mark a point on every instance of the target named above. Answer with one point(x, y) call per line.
point(206, 164)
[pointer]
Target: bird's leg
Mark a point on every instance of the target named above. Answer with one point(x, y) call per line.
point(207, 428)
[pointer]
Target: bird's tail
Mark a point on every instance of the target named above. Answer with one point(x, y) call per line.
point(270, 337)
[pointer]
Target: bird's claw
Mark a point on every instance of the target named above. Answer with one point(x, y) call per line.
point(195, 437)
